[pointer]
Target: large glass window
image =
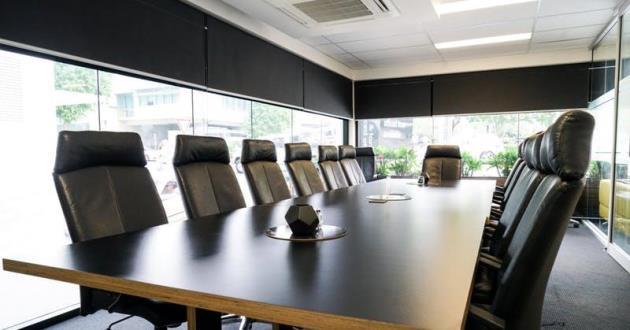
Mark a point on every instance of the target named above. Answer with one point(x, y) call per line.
point(156, 111)
point(37, 99)
point(488, 142)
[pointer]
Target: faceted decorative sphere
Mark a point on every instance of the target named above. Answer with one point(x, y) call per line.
point(303, 219)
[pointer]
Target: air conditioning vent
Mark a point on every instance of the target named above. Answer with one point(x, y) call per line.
point(313, 13)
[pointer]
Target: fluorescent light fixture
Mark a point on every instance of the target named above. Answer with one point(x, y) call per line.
point(467, 5)
point(483, 41)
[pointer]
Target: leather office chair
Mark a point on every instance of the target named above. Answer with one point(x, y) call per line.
point(206, 180)
point(442, 163)
point(522, 274)
point(304, 174)
point(331, 169)
point(502, 193)
point(525, 152)
point(264, 176)
point(367, 163)
point(503, 231)
point(352, 170)
point(105, 189)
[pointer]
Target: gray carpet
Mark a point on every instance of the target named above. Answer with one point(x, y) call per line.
point(587, 290)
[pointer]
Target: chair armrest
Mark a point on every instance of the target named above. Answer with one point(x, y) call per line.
point(486, 317)
point(490, 261)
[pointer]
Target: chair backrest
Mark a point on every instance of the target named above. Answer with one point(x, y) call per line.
point(103, 185)
point(442, 162)
point(515, 173)
point(265, 178)
point(564, 158)
point(306, 178)
point(523, 190)
point(331, 169)
point(352, 170)
point(206, 180)
point(367, 162)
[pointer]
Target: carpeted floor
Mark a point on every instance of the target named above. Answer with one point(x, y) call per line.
point(587, 290)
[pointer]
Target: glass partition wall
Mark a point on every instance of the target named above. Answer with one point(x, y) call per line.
point(607, 192)
point(39, 98)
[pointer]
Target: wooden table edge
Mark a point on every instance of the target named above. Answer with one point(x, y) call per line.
point(255, 310)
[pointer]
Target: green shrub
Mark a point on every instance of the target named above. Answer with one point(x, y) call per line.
point(470, 164)
point(400, 161)
point(504, 160)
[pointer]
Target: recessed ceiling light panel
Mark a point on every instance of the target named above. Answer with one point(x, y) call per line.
point(483, 41)
point(468, 5)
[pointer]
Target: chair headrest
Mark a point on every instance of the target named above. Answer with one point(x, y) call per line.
point(365, 152)
point(531, 151)
point(443, 151)
point(328, 153)
point(521, 145)
point(566, 145)
point(78, 150)
point(347, 151)
point(258, 150)
point(194, 149)
point(297, 151)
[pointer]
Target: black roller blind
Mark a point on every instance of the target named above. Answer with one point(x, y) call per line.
point(327, 91)
point(523, 89)
point(162, 37)
point(389, 98)
point(241, 63)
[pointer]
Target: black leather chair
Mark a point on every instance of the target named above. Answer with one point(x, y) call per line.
point(523, 272)
point(367, 162)
point(442, 163)
point(331, 169)
point(206, 180)
point(352, 170)
point(264, 176)
point(105, 189)
point(303, 172)
point(526, 149)
point(502, 193)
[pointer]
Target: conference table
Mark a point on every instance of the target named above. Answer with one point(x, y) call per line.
point(402, 264)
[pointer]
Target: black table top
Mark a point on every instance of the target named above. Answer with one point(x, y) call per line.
point(404, 263)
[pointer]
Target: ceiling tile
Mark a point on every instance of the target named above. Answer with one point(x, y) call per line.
point(573, 20)
point(314, 41)
point(330, 49)
point(537, 47)
point(506, 28)
point(556, 7)
point(376, 31)
point(398, 41)
point(394, 62)
point(420, 52)
point(566, 34)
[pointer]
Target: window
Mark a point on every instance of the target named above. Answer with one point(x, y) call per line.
point(272, 123)
point(488, 142)
point(37, 99)
point(316, 130)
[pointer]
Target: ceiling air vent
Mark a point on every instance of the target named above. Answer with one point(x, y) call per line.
point(325, 12)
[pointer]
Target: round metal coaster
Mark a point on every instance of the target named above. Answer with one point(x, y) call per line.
point(325, 232)
point(390, 197)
